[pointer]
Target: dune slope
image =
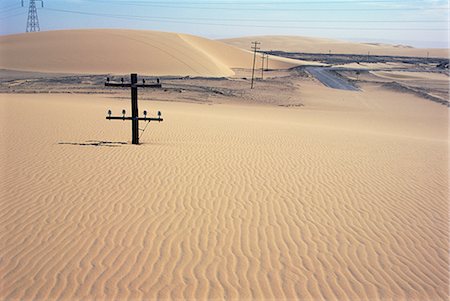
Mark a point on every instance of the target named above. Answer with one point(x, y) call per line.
point(319, 45)
point(124, 51)
point(344, 199)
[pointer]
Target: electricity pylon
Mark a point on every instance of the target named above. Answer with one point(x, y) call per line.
point(33, 20)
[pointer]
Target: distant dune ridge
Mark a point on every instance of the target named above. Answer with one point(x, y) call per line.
point(319, 45)
point(124, 51)
point(116, 51)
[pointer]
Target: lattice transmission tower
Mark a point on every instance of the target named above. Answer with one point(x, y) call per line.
point(33, 20)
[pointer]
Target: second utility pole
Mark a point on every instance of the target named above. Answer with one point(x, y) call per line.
point(254, 47)
point(262, 66)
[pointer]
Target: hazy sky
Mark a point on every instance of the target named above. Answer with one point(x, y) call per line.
point(420, 23)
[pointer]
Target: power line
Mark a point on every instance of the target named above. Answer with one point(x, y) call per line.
point(10, 10)
point(163, 20)
point(264, 20)
point(249, 3)
point(149, 3)
point(242, 20)
point(255, 20)
point(9, 6)
point(277, 9)
point(14, 15)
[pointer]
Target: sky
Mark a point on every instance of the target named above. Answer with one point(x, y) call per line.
point(419, 23)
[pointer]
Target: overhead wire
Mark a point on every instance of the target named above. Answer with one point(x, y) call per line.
point(202, 21)
point(286, 9)
point(9, 6)
point(259, 20)
point(178, 21)
point(247, 3)
point(10, 10)
point(10, 16)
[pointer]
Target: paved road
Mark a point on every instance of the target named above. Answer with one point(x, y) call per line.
point(330, 79)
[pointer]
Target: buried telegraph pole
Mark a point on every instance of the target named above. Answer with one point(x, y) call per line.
point(134, 105)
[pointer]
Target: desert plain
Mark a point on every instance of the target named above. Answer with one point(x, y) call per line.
point(292, 190)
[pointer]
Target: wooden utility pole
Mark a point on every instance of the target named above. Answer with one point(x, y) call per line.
point(254, 47)
point(134, 105)
point(267, 62)
point(262, 66)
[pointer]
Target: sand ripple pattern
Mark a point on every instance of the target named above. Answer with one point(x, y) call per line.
point(219, 202)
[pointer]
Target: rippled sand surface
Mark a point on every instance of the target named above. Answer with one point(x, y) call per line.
point(345, 201)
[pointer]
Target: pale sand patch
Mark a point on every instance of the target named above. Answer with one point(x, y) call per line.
point(412, 76)
point(436, 84)
point(373, 66)
point(319, 45)
point(345, 198)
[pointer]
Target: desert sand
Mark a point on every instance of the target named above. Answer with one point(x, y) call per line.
point(412, 76)
point(116, 51)
point(432, 85)
point(291, 190)
point(320, 45)
point(373, 66)
point(343, 198)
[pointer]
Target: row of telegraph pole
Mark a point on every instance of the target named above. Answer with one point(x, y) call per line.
point(134, 85)
point(264, 57)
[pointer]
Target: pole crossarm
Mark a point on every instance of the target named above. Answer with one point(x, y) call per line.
point(159, 119)
point(120, 85)
point(134, 104)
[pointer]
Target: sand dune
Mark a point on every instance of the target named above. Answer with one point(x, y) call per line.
point(344, 199)
point(124, 51)
point(317, 45)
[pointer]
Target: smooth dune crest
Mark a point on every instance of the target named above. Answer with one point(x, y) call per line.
point(123, 51)
point(320, 45)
